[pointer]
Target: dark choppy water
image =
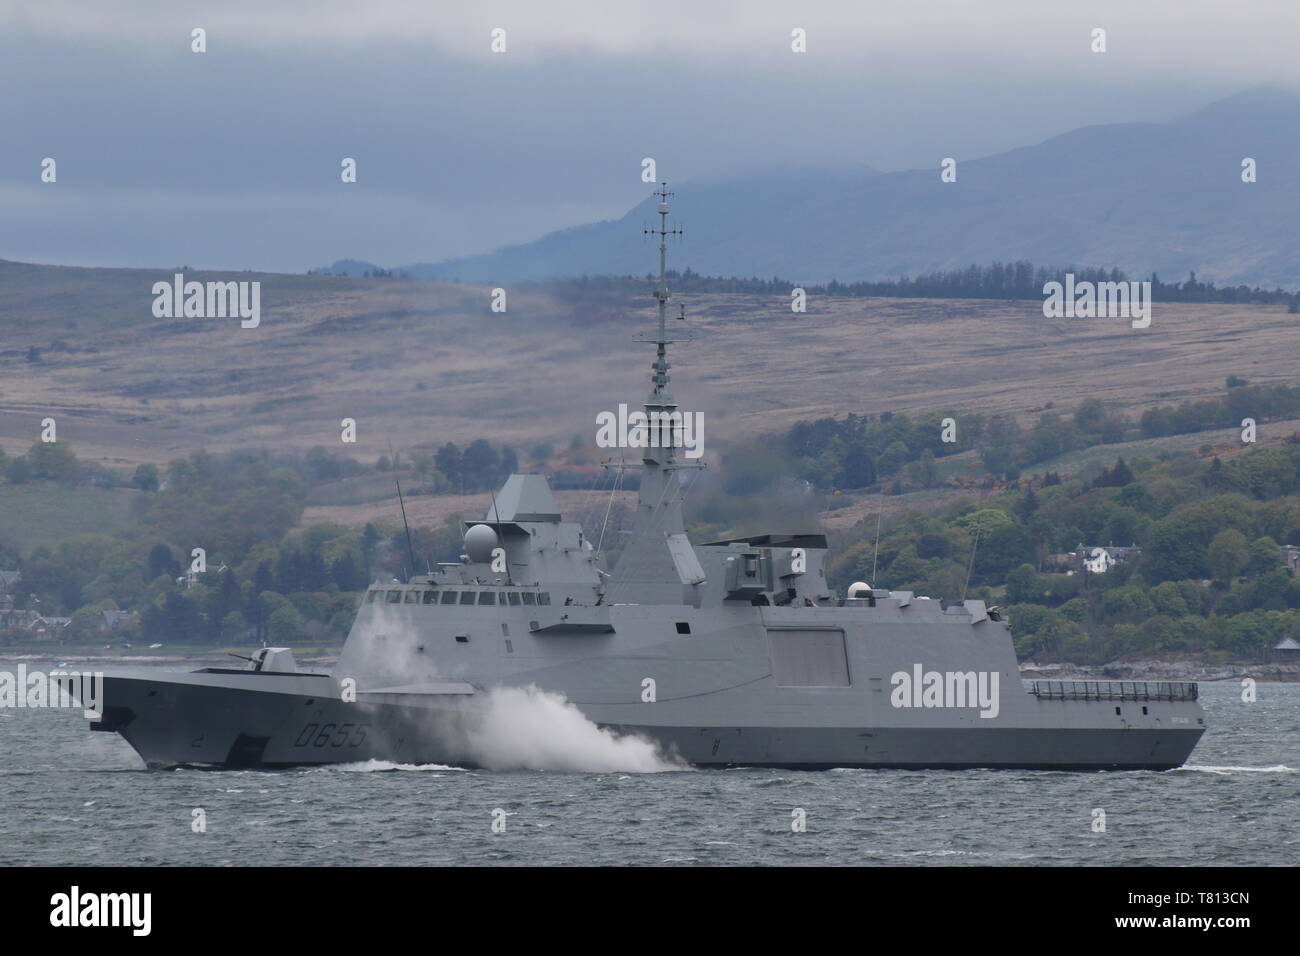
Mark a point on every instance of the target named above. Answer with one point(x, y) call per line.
point(68, 796)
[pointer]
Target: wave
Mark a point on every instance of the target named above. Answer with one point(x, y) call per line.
point(1227, 771)
point(385, 766)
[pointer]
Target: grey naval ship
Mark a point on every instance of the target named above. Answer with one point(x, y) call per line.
point(724, 653)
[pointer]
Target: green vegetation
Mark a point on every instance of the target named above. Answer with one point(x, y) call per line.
point(1210, 577)
point(858, 451)
point(263, 580)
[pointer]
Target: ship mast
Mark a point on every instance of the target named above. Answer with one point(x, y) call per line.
point(661, 399)
point(646, 567)
point(659, 394)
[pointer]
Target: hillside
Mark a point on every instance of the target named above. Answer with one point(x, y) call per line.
point(417, 362)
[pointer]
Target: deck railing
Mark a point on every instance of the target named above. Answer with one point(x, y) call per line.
point(1114, 690)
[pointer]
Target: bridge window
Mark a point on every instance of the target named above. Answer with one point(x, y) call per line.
point(683, 627)
point(448, 597)
point(530, 597)
point(544, 598)
point(430, 597)
point(394, 597)
point(514, 598)
point(466, 597)
point(487, 597)
point(412, 597)
point(373, 596)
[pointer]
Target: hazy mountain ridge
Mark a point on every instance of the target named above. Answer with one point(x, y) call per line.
point(1166, 197)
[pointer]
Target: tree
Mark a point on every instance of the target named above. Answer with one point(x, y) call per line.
point(348, 571)
point(1227, 555)
point(858, 469)
point(894, 457)
point(448, 461)
point(233, 627)
point(1090, 415)
point(161, 561)
point(146, 477)
point(929, 472)
point(85, 623)
point(284, 625)
point(509, 464)
point(1027, 505)
point(1022, 586)
point(479, 465)
point(1265, 556)
point(54, 460)
point(998, 450)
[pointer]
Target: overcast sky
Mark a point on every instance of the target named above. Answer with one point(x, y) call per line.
point(230, 159)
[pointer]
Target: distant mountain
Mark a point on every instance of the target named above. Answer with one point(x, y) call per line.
point(1139, 196)
point(356, 268)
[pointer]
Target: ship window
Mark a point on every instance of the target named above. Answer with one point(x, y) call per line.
point(505, 629)
point(530, 597)
point(683, 627)
point(462, 638)
point(1116, 711)
point(412, 597)
point(1144, 710)
point(394, 597)
point(466, 597)
point(448, 597)
point(510, 648)
point(373, 596)
point(544, 598)
point(514, 598)
point(430, 597)
point(487, 597)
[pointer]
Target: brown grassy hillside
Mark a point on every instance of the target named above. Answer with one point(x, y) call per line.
point(419, 362)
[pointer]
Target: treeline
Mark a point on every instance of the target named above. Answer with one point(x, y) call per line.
point(1210, 577)
point(478, 466)
point(1259, 402)
point(861, 451)
point(998, 280)
point(259, 578)
point(851, 452)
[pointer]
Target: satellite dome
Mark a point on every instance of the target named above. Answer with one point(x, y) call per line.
point(859, 590)
point(480, 540)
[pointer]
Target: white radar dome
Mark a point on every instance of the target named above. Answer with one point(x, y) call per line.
point(480, 540)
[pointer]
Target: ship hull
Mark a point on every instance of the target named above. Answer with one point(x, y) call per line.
point(271, 721)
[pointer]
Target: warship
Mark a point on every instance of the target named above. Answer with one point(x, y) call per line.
point(724, 653)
